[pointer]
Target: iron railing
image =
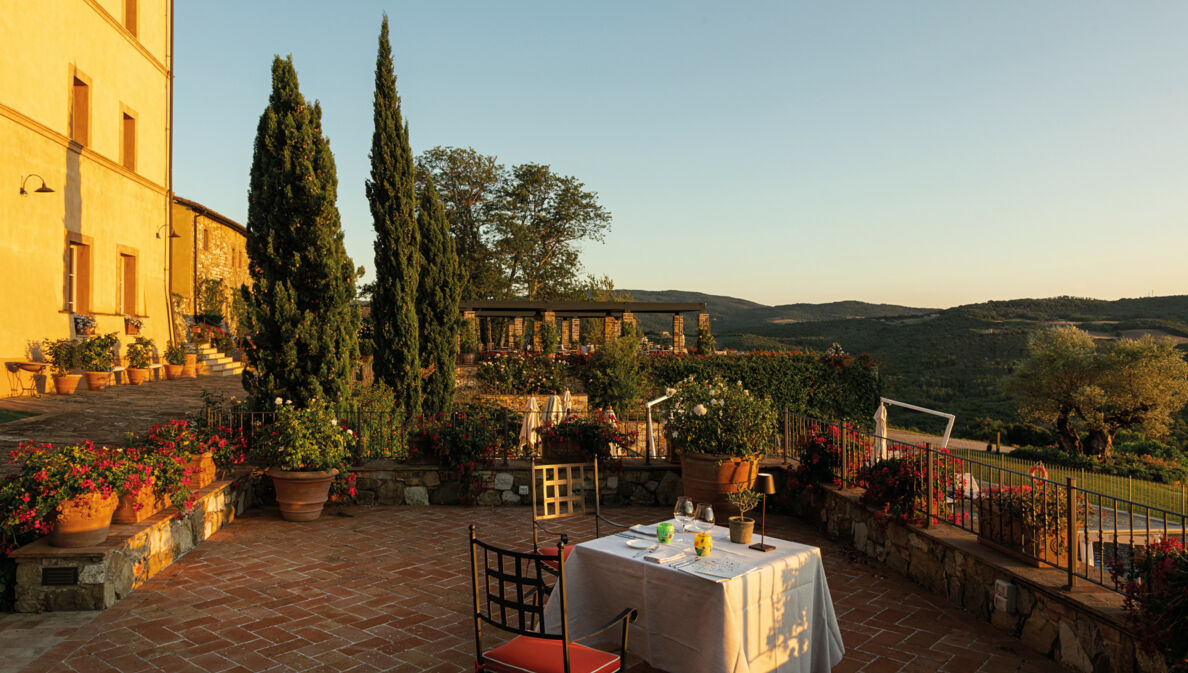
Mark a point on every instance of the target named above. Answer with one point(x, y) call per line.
point(1083, 531)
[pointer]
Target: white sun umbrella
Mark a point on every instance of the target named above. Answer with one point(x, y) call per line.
point(531, 423)
point(567, 401)
point(880, 419)
point(554, 411)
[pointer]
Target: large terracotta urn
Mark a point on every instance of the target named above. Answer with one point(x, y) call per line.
point(710, 478)
point(137, 375)
point(96, 380)
point(174, 372)
point(82, 521)
point(66, 385)
point(301, 495)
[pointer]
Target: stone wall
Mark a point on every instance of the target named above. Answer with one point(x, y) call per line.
point(389, 483)
point(1084, 629)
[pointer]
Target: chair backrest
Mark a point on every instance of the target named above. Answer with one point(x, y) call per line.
point(562, 491)
point(510, 588)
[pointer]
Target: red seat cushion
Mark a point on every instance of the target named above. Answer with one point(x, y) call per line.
point(537, 655)
point(553, 551)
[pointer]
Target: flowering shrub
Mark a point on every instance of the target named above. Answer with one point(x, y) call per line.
point(464, 440)
point(721, 419)
point(593, 434)
point(49, 475)
point(1156, 584)
point(175, 354)
point(304, 439)
point(133, 322)
point(140, 352)
point(519, 373)
point(83, 323)
point(822, 456)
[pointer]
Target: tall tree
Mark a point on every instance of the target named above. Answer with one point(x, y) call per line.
point(468, 184)
point(390, 191)
point(300, 305)
point(437, 301)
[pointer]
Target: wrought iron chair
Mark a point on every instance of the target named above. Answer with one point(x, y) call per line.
point(509, 587)
point(562, 495)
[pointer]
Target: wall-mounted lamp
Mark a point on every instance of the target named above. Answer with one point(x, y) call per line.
point(40, 190)
point(172, 233)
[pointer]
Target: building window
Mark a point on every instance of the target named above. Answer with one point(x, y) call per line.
point(127, 276)
point(78, 278)
point(128, 141)
point(130, 16)
point(80, 112)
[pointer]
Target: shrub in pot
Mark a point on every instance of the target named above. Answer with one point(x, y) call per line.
point(1155, 582)
point(583, 438)
point(723, 431)
point(63, 358)
point(468, 341)
point(95, 356)
point(742, 527)
point(303, 451)
point(140, 354)
point(463, 440)
point(175, 361)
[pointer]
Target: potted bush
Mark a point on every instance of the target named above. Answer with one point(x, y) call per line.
point(84, 325)
point(132, 325)
point(180, 438)
point(63, 358)
point(1155, 581)
point(160, 480)
point(69, 492)
point(468, 343)
point(95, 356)
point(742, 527)
point(303, 450)
point(583, 438)
point(1026, 522)
point(140, 355)
point(175, 361)
point(722, 431)
point(464, 440)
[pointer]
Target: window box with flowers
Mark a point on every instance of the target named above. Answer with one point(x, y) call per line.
point(84, 325)
point(581, 439)
point(302, 452)
point(68, 492)
point(132, 325)
point(722, 431)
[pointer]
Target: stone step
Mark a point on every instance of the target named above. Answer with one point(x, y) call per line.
point(220, 360)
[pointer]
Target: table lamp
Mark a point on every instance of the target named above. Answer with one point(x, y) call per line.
point(765, 486)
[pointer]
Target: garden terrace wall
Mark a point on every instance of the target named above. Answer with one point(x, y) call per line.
point(578, 402)
point(1085, 629)
point(390, 483)
point(132, 554)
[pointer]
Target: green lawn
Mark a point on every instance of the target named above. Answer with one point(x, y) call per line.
point(7, 415)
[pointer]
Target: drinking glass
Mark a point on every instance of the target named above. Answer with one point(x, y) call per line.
point(705, 518)
point(683, 512)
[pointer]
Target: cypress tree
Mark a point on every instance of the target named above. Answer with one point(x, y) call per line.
point(439, 289)
point(391, 194)
point(301, 303)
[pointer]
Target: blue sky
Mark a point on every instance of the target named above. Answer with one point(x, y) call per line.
point(922, 153)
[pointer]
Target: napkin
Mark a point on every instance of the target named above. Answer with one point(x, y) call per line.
point(644, 530)
point(664, 556)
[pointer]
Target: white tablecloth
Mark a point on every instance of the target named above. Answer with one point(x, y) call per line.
point(776, 617)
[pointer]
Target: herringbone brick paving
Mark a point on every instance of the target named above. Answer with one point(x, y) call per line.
point(388, 589)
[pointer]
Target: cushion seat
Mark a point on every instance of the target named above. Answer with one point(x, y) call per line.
point(524, 654)
point(552, 551)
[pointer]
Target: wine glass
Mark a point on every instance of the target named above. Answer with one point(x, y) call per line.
point(705, 518)
point(682, 511)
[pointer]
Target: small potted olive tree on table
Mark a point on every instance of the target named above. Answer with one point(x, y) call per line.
point(741, 526)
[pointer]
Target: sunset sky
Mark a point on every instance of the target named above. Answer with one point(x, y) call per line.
point(922, 153)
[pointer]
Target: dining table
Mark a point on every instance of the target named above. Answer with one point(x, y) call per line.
point(734, 610)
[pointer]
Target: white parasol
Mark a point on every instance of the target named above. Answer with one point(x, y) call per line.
point(554, 411)
point(880, 419)
point(567, 402)
point(531, 423)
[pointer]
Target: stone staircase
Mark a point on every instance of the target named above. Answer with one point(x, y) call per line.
point(215, 363)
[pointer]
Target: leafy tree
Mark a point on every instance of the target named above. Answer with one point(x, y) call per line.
point(540, 219)
point(616, 378)
point(1049, 383)
point(468, 184)
point(391, 195)
point(437, 301)
point(300, 306)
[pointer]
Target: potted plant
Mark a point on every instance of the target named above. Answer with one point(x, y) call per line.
point(583, 438)
point(303, 450)
point(95, 356)
point(84, 325)
point(190, 363)
point(1026, 522)
point(132, 325)
point(63, 358)
point(468, 341)
point(140, 354)
point(463, 440)
point(722, 431)
point(69, 492)
point(175, 361)
point(180, 438)
point(161, 479)
point(742, 527)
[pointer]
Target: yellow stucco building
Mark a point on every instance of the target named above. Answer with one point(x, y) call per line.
point(85, 101)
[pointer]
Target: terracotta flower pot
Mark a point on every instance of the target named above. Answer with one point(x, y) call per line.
point(190, 369)
point(66, 385)
point(137, 375)
point(741, 530)
point(83, 520)
point(301, 495)
point(137, 508)
point(203, 470)
point(131, 329)
point(174, 372)
point(96, 380)
point(561, 451)
point(709, 478)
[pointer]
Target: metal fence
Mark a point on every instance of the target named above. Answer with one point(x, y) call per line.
point(1087, 531)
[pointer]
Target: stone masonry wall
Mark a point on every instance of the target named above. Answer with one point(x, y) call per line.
point(1085, 629)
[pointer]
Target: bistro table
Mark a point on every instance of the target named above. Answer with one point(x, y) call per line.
point(764, 611)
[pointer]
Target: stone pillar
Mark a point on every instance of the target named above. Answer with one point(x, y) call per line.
point(703, 321)
point(575, 333)
point(564, 335)
point(628, 319)
point(610, 329)
point(678, 333)
point(517, 334)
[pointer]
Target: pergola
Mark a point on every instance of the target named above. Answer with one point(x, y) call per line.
point(567, 316)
